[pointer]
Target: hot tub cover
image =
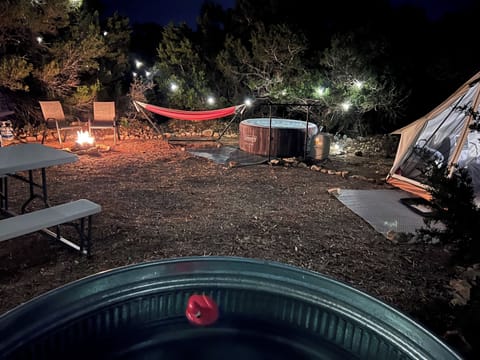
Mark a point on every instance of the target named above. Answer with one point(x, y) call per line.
point(282, 124)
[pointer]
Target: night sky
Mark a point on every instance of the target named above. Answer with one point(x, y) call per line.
point(162, 12)
point(435, 8)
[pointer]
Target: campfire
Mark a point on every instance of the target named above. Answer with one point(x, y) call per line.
point(84, 139)
point(85, 144)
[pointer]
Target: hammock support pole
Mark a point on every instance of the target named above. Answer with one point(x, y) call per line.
point(149, 120)
point(192, 115)
point(230, 123)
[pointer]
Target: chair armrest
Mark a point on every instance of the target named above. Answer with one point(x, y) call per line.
point(51, 123)
point(73, 121)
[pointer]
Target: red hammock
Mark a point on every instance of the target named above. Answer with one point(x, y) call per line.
point(191, 115)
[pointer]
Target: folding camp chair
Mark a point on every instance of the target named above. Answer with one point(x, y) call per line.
point(55, 120)
point(104, 117)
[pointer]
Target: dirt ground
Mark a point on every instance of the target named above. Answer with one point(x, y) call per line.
point(159, 201)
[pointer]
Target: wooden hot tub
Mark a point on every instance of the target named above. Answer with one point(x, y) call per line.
point(287, 137)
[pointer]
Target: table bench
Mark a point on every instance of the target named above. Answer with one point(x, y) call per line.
point(42, 219)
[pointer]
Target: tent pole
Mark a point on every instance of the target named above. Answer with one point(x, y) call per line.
point(464, 133)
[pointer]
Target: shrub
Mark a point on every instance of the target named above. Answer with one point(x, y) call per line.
point(453, 199)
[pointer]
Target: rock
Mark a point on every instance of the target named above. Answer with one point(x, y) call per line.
point(461, 291)
point(290, 160)
point(358, 177)
point(103, 148)
point(472, 274)
point(334, 191)
point(207, 133)
point(392, 236)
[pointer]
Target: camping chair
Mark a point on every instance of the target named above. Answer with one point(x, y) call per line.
point(55, 120)
point(104, 118)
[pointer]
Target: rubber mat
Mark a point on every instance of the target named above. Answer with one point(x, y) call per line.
point(229, 155)
point(383, 209)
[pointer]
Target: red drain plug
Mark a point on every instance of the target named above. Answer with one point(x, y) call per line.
point(201, 310)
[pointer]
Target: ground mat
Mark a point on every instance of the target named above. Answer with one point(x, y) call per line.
point(229, 155)
point(383, 209)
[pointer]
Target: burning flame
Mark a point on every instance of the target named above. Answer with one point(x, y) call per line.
point(84, 138)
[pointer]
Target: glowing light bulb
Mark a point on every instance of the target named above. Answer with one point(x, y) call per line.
point(346, 105)
point(321, 91)
point(358, 84)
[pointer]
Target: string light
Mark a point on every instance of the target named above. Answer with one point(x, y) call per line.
point(76, 3)
point(321, 91)
point(346, 105)
point(358, 84)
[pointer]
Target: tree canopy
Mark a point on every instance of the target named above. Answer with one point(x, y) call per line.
point(59, 50)
point(359, 71)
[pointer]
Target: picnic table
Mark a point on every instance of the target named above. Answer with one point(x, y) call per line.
point(30, 158)
point(23, 162)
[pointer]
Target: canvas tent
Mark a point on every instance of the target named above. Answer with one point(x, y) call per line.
point(444, 135)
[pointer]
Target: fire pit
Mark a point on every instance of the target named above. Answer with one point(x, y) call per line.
point(84, 138)
point(241, 309)
point(85, 144)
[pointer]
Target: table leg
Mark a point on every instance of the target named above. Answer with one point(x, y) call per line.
point(33, 195)
point(4, 193)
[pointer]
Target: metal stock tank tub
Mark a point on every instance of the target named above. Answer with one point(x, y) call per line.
point(212, 308)
point(275, 137)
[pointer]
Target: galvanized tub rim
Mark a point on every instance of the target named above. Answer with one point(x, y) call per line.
point(65, 304)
